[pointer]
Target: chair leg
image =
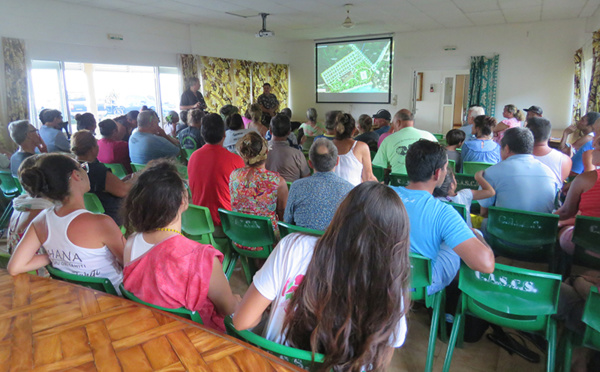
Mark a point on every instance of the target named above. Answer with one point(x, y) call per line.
point(443, 332)
point(231, 266)
point(551, 337)
point(565, 352)
point(458, 319)
point(246, 267)
point(435, 323)
point(5, 219)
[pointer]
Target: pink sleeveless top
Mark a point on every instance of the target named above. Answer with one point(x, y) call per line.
point(589, 205)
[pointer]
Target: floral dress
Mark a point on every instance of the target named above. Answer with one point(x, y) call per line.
point(254, 191)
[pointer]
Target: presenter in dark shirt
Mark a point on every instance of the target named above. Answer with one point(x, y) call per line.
point(192, 98)
point(269, 104)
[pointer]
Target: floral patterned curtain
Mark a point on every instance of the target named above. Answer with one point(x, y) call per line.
point(594, 96)
point(577, 85)
point(242, 80)
point(274, 74)
point(188, 64)
point(15, 80)
point(482, 84)
point(216, 82)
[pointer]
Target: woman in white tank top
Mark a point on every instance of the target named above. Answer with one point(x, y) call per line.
point(354, 156)
point(75, 240)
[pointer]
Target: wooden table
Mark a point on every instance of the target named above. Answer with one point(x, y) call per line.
point(49, 325)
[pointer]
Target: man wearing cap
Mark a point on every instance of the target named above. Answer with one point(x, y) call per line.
point(533, 112)
point(381, 121)
point(392, 152)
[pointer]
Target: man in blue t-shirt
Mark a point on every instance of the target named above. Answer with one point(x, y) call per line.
point(437, 231)
point(150, 141)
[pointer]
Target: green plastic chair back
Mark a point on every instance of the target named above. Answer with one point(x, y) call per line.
point(398, 179)
point(465, 181)
point(438, 136)
point(98, 284)
point(452, 165)
point(509, 297)
point(586, 236)
point(289, 185)
point(137, 167)
point(182, 311)
point(297, 357)
point(117, 169)
point(188, 153)
point(287, 229)
point(378, 172)
point(461, 209)
point(9, 187)
point(591, 318)
point(248, 231)
point(472, 167)
point(182, 170)
point(18, 183)
point(522, 235)
point(92, 203)
point(197, 224)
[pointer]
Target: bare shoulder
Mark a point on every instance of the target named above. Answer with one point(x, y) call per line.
point(93, 222)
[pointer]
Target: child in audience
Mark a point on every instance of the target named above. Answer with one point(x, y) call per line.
point(162, 266)
point(455, 139)
point(447, 191)
point(345, 294)
point(75, 240)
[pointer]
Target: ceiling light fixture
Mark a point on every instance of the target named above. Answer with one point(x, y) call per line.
point(348, 22)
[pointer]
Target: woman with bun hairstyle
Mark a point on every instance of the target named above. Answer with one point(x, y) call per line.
point(354, 156)
point(513, 118)
point(254, 189)
point(162, 266)
point(75, 240)
point(345, 294)
point(483, 148)
point(86, 121)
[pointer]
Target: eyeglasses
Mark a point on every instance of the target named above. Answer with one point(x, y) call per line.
point(85, 166)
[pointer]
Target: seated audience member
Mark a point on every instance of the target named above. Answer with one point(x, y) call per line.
point(228, 110)
point(366, 135)
point(533, 112)
point(344, 295)
point(583, 198)
point(580, 150)
point(311, 128)
point(184, 121)
point(354, 156)
point(107, 187)
point(191, 137)
point(381, 121)
point(313, 201)
point(132, 118)
point(447, 192)
point(162, 266)
point(256, 124)
point(330, 117)
point(246, 118)
point(454, 140)
point(27, 137)
point(474, 111)
point(559, 163)
point(436, 230)
point(150, 141)
point(51, 132)
point(482, 149)
point(235, 131)
point(392, 152)
point(112, 150)
point(209, 170)
point(253, 189)
point(86, 121)
point(292, 139)
point(172, 120)
point(75, 241)
point(122, 128)
point(512, 119)
point(405, 118)
point(26, 208)
point(289, 162)
point(520, 180)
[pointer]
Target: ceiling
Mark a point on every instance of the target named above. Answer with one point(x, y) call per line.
point(313, 19)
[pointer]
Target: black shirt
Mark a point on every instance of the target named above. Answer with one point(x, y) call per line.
point(111, 203)
point(190, 133)
point(370, 138)
point(188, 98)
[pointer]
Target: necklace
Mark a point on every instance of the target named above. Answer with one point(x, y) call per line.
point(167, 229)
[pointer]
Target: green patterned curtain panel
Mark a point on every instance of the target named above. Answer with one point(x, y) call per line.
point(593, 103)
point(242, 79)
point(274, 74)
point(216, 82)
point(577, 85)
point(15, 79)
point(482, 83)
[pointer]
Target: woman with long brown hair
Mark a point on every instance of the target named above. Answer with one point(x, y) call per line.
point(344, 295)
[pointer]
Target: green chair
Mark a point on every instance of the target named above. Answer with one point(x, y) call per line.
point(197, 224)
point(438, 136)
point(117, 169)
point(287, 229)
point(182, 311)
point(510, 297)
point(98, 284)
point(18, 183)
point(522, 235)
point(307, 143)
point(297, 357)
point(452, 165)
point(398, 179)
point(188, 153)
point(461, 209)
point(585, 236)
point(248, 231)
point(5, 258)
point(92, 203)
point(137, 167)
point(289, 185)
point(465, 181)
point(472, 167)
point(421, 278)
point(182, 170)
point(591, 336)
point(378, 172)
point(10, 190)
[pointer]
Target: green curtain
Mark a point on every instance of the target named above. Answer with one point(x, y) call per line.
point(578, 58)
point(482, 83)
point(15, 80)
point(594, 98)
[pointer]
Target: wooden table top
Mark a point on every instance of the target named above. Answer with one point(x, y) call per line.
point(50, 325)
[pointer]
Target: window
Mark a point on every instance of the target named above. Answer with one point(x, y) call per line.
point(47, 83)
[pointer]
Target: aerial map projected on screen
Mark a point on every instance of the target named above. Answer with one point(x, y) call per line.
point(354, 71)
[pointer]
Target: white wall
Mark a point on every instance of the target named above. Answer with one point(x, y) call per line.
point(535, 68)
